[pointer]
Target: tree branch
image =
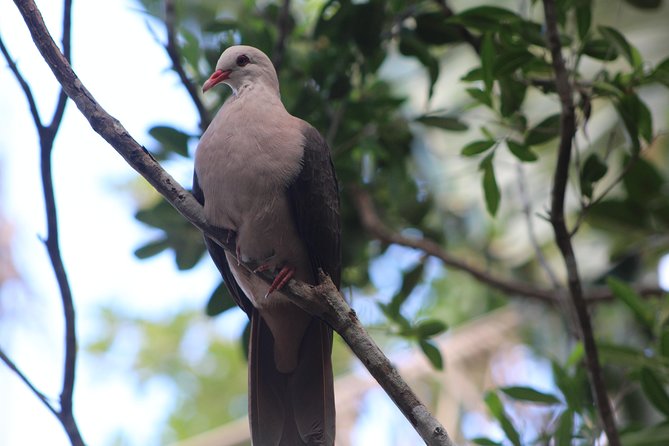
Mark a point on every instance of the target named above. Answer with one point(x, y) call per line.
point(324, 301)
point(10, 364)
point(377, 228)
point(562, 236)
point(24, 85)
point(173, 53)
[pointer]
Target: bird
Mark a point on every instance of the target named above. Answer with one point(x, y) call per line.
point(268, 177)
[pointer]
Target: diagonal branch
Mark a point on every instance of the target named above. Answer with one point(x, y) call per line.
point(562, 236)
point(23, 83)
point(173, 53)
point(10, 364)
point(324, 301)
point(378, 229)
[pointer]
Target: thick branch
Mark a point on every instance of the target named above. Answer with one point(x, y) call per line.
point(323, 301)
point(562, 236)
point(173, 53)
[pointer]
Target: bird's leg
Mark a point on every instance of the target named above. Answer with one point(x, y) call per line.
point(281, 279)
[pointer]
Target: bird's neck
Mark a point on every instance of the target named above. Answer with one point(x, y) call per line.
point(264, 86)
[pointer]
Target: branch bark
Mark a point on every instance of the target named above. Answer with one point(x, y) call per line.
point(324, 300)
point(562, 235)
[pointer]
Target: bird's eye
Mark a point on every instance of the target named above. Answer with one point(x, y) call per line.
point(242, 60)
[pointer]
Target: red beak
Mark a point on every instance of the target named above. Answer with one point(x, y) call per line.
point(216, 78)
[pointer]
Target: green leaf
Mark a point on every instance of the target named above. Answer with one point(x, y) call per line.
point(576, 355)
point(643, 181)
point(429, 328)
point(543, 132)
point(490, 188)
point(152, 248)
point(485, 17)
point(521, 151)
point(432, 353)
point(592, 171)
point(171, 139)
point(650, 436)
point(483, 441)
point(641, 309)
point(600, 49)
point(497, 410)
point(476, 147)
point(410, 279)
point(410, 45)
point(443, 122)
point(219, 301)
point(480, 96)
point(636, 117)
point(487, 60)
point(664, 342)
point(583, 13)
point(629, 52)
point(565, 427)
point(661, 73)
point(431, 27)
point(509, 61)
point(645, 4)
point(512, 95)
point(529, 394)
point(654, 390)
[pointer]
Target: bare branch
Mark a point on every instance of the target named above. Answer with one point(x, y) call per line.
point(24, 85)
point(562, 236)
point(324, 300)
point(372, 223)
point(10, 364)
point(173, 53)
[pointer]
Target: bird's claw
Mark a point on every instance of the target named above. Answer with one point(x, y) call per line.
point(281, 279)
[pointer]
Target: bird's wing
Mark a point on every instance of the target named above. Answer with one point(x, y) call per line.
point(314, 199)
point(218, 256)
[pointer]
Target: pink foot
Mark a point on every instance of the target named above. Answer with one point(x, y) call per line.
point(281, 279)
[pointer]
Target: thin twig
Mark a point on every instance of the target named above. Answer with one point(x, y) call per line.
point(527, 211)
point(24, 85)
point(330, 305)
point(562, 235)
point(175, 57)
point(10, 364)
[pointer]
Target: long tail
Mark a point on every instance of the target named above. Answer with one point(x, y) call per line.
point(297, 408)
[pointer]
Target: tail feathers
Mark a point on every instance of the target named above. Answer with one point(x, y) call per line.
point(297, 408)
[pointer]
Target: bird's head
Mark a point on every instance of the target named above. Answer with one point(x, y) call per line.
point(240, 65)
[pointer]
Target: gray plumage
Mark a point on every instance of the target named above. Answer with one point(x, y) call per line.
point(268, 176)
